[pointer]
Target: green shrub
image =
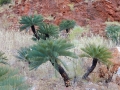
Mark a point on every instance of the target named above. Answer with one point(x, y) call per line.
point(4, 2)
point(113, 33)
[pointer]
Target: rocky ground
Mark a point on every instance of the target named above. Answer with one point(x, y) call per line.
point(91, 13)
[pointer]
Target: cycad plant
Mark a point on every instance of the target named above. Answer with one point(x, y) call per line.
point(97, 53)
point(48, 30)
point(4, 2)
point(11, 80)
point(49, 50)
point(113, 32)
point(67, 25)
point(31, 21)
point(2, 58)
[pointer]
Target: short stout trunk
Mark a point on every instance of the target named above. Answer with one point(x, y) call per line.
point(34, 32)
point(94, 63)
point(67, 30)
point(63, 74)
point(46, 36)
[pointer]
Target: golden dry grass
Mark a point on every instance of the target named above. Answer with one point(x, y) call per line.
point(45, 77)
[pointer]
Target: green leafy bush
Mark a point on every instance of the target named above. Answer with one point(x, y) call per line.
point(113, 32)
point(4, 2)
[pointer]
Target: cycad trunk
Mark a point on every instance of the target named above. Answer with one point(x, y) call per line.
point(94, 63)
point(63, 74)
point(34, 32)
point(46, 36)
point(60, 69)
point(67, 30)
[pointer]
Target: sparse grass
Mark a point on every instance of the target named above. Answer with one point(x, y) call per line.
point(98, 40)
point(112, 23)
point(71, 5)
point(95, 78)
point(43, 78)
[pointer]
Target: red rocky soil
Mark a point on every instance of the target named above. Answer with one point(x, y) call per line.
point(93, 12)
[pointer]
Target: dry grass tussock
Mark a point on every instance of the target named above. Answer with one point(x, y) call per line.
point(45, 77)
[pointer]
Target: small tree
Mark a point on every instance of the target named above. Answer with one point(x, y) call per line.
point(47, 30)
point(97, 53)
point(49, 50)
point(31, 21)
point(67, 25)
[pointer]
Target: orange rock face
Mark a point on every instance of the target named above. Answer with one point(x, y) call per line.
point(116, 56)
point(84, 13)
point(108, 72)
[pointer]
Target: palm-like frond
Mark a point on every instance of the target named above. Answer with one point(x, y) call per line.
point(10, 80)
point(28, 21)
point(22, 53)
point(100, 52)
point(67, 24)
point(113, 32)
point(49, 50)
point(2, 58)
point(48, 29)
